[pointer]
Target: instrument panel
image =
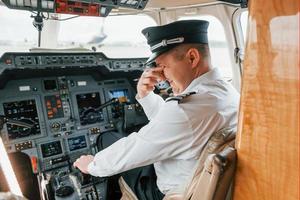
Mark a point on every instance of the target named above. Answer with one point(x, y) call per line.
point(62, 107)
point(52, 60)
point(66, 112)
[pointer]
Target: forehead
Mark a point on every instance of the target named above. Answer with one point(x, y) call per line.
point(167, 55)
point(162, 59)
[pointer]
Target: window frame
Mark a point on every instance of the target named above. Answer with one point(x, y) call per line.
point(238, 31)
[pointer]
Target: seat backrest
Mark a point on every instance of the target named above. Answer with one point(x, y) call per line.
point(10, 196)
point(219, 141)
point(27, 180)
point(215, 171)
point(216, 177)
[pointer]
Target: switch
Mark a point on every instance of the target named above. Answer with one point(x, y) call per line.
point(33, 160)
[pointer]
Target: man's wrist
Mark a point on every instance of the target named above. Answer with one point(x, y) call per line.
point(141, 95)
point(90, 168)
point(138, 97)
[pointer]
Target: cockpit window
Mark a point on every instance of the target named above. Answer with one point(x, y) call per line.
point(116, 36)
point(17, 32)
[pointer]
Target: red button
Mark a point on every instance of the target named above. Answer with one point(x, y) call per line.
point(8, 61)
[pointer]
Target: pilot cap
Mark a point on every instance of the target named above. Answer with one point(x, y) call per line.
point(163, 38)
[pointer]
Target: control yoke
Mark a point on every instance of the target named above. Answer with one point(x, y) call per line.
point(4, 120)
point(112, 101)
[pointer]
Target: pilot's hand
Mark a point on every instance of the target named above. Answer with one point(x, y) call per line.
point(149, 78)
point(83, 162)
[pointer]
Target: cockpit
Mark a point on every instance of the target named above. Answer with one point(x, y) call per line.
point(68, 78)
point(68, 111)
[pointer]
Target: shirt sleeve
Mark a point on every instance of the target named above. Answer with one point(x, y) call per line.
point(151, 104)
point(166, 136)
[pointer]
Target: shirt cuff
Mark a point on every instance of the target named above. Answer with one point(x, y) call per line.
point(91, 168)
point(146, 99)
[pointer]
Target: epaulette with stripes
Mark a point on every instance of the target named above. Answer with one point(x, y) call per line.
point(179, 97)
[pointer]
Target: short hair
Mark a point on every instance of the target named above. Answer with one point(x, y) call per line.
point(203, 49)
point(183, 48)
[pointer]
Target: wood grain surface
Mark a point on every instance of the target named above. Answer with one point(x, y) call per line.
point(268, 133)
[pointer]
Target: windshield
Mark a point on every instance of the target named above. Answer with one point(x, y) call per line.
point(17, 32)
point(116, 36)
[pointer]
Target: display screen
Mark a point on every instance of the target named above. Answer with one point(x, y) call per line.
point(50, 85)
point(119, 93)
point(51, 149)
point(88, 105)
point(77, 143)
point(24, 111)
point(117, 108)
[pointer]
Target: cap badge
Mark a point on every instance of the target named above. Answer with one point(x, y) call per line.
point(165, 42)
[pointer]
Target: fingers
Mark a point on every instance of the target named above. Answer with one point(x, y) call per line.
point(81, 159)
point(76, 163)
point(160, 68)
point(149, 81)
point(147, 87)
point(149, 78)
point(83, 162)
point(154, 73)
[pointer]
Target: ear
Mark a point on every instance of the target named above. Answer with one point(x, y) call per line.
point(193, 57)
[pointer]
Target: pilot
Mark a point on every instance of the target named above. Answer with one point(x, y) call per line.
point(180, 126)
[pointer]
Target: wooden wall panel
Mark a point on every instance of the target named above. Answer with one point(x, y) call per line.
point(268, 133)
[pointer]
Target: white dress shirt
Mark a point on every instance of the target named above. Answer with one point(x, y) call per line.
point(176, 133)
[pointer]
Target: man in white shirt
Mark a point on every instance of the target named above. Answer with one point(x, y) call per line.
point(179, 127)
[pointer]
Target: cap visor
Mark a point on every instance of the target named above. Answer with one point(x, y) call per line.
point(154, 55)
point(152, 58)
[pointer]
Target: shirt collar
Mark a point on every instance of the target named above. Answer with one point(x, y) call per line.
point(213, 74)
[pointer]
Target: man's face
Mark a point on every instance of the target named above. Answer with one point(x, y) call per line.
point(176, 69)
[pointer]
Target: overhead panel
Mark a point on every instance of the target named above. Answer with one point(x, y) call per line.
point(76, 7)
